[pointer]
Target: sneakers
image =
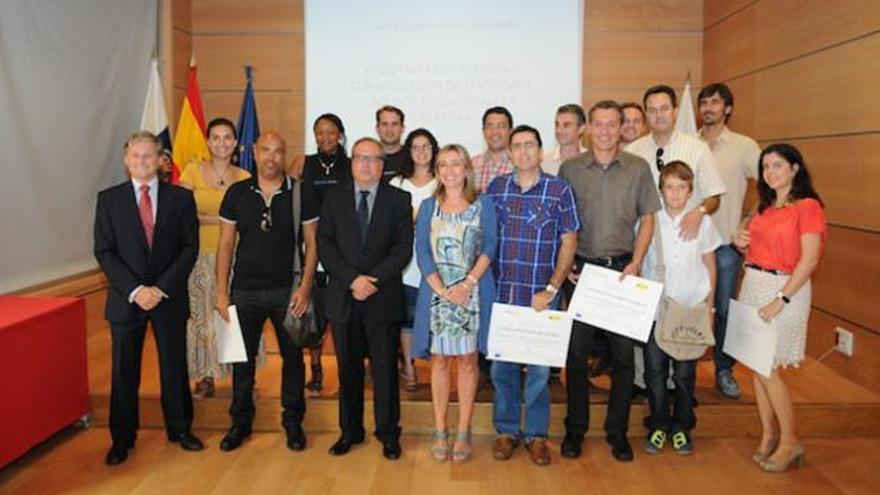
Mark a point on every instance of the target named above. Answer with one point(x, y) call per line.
point(726, 384)
point(682, 444)
point(315, 385)
point(655, 442)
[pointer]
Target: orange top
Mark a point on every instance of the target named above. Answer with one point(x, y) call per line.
point(776, 234)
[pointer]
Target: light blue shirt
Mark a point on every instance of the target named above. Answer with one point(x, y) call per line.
point(153, 192)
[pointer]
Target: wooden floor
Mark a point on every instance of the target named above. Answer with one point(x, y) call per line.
point(72, 463)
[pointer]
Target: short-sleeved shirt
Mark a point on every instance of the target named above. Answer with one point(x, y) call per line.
point(264, 260)
point(687, 278)
point(530, 224)
point(775, 234)
point(736, 157)
point(610, 200)
point(322, 171)
point(486, 170)
point(393, 164)
point(411, 274)
point(690, 150)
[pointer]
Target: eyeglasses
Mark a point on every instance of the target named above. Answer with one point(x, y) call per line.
point(421, 147)
point(266, 222)
point(528, 145)
point(371, 159)
point(660, 162)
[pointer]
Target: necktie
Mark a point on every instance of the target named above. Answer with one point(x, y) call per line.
point(363, 214)
point(145, 209)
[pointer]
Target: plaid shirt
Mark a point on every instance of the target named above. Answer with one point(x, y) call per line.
point(530, 224)
point(485, 170)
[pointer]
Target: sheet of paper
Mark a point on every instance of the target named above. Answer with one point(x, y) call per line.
point(519, 334)
point(749, 339)
point(624, 307)
point(230, 343)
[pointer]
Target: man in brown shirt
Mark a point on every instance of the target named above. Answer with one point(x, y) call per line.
point(614, 192)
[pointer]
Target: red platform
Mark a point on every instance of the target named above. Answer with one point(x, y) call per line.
point(43, 370)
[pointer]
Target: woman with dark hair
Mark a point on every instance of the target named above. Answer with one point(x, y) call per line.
point(326, 168)
point(456, 242)
point(782, 244)
point(417, 178)
point(208, 181)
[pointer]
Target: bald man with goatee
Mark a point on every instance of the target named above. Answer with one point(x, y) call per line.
point(258, 211)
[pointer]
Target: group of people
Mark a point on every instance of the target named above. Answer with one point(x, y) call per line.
point(421, 237)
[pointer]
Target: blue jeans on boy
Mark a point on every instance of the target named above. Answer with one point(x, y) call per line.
point(684, 375)
point(728, 265)
point(507, 403)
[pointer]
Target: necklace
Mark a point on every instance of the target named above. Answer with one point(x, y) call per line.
point(326, 167)
point(220, 175)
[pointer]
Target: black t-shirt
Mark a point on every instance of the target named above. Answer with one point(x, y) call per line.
point(321, 172)
point(264, 256)
point(393, 164)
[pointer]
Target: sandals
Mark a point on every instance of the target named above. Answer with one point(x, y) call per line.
point(462, 449)
point(440, 446)
point(204, 388)
point(759, 456)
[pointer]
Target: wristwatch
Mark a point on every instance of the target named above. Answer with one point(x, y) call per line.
point(781, 295)
point(551, 289)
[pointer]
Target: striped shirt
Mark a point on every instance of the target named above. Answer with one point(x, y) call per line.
point(485, 170)
point(530, 226)
point(690, 150)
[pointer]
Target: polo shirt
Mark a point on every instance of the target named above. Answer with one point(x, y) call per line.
point(264, 260)
point(610, 200)
point(736, 157)
point(393, 164)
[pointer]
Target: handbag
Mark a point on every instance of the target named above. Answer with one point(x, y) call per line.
point(303, 330)
point(683, 332)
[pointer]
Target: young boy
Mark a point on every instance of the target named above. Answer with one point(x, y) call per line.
point(690, 280)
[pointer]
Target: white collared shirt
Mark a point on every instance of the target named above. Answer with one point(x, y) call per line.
point(553, 159)
point(687, 278)
point(690, 150)
point(153, 192)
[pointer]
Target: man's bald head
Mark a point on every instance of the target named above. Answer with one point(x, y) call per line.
point(269, 151)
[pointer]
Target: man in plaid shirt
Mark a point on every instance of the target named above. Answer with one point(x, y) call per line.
point(537, 227)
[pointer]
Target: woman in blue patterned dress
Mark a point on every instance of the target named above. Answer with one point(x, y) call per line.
point(456, 239)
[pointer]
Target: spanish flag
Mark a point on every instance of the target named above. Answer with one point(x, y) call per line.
point(189, 138)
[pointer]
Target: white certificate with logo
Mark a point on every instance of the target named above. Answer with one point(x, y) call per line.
point(626, 307)
point(749, 339)
point(519, 334)
point(230, 342)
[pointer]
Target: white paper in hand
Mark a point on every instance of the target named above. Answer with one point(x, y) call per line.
point(749, 339)
point(230, 343)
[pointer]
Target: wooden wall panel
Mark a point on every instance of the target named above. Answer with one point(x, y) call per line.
point(716, 10)
point(864, 367)
point(832, 92)
point(769, 40)
point(181, 53)
point(639, 60)
point(278, 61)
point(247, 16)
point(641, 15)
point(181, 15)
point(846, 173)
point(847, 283)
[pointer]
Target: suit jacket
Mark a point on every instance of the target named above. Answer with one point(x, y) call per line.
point(383, 254)
point(121, 250)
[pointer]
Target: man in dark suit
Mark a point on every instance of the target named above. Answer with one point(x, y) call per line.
point(146, 241)
point(365, 240)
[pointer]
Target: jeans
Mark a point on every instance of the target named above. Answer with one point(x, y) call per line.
point(253, 309)
point(729, 264)
point(684, 375)
point(506, 377)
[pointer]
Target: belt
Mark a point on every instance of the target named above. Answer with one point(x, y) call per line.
point(762, 269)
point(608, 261)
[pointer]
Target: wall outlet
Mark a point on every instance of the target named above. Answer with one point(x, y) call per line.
point(844, 341)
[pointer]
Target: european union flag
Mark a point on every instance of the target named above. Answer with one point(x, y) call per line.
point(248, 126)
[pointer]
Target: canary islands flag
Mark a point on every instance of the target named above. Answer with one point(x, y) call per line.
point(154, 118)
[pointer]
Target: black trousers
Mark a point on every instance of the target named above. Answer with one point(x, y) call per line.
point(128, 346)
point(254, 307)
point(355, 339)
point(620, 348)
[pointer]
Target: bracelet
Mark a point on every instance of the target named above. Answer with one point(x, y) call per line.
point(470, 278)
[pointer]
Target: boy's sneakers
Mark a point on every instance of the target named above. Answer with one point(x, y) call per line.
point(682, 444)
point(655, 442)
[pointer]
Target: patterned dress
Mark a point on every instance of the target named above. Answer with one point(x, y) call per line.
point(456, 243)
